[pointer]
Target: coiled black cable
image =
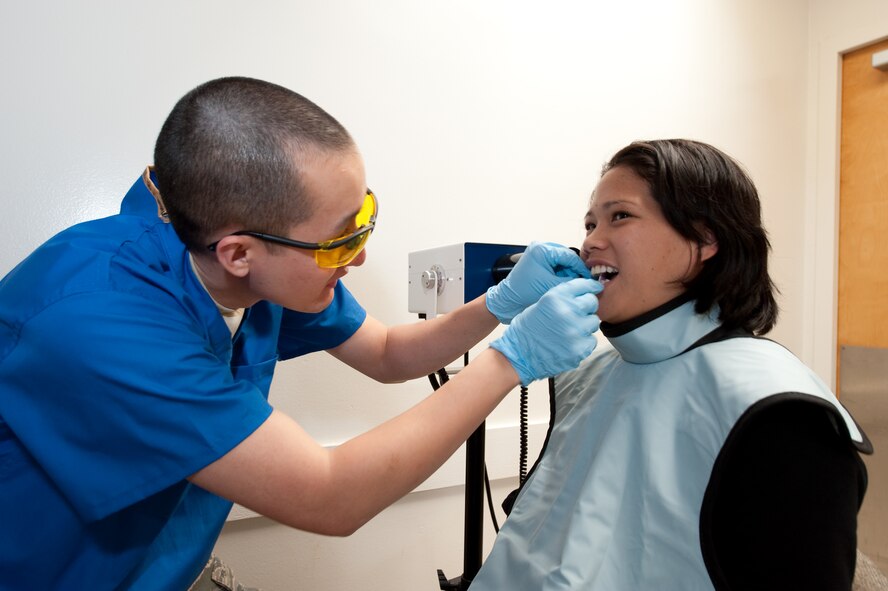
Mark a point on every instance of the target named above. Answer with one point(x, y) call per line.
point(522, 436)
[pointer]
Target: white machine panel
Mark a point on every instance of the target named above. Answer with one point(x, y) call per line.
point(442, 279)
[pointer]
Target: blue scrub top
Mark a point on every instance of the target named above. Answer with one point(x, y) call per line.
point(118, 379)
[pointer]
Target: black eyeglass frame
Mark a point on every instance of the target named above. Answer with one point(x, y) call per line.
point(325, 245)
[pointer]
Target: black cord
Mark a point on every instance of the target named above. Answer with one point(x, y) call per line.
point(490, 500)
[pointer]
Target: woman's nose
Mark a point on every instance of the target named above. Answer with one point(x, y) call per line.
point(594, 240)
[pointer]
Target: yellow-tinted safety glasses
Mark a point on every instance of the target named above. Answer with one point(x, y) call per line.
point(336, 252)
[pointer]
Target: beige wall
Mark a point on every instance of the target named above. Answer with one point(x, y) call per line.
point(479, 121)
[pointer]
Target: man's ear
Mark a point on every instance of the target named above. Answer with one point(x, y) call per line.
point(235, 254)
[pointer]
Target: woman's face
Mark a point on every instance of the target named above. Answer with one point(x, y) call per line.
point(641, 260)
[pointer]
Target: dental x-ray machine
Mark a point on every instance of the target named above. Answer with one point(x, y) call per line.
point(440, 280)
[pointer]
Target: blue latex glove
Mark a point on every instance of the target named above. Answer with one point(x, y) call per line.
point(542, 266)
point(555, 334)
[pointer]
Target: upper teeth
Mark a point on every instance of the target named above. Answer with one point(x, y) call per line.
point(598, 270)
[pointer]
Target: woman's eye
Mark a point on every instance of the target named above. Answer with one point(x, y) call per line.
point(621, 215)
point(589, 226)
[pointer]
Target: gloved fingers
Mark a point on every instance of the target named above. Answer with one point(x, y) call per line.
point(533, 256)
point(588, 325)
point(543, 266)
point(574, 288)
point(562, 261)
point(555, 334)
point(582, 324)
point(587, 302)
point(567, 263)
point(572, 306)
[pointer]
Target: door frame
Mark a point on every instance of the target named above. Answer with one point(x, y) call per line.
point(821, 215)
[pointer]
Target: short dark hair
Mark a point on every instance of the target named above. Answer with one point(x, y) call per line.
point(227, 155)
point(701, 188)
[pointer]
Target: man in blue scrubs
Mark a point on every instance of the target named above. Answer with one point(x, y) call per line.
point(136, 352)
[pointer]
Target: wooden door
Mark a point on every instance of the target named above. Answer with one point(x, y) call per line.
point(863, 202)
point(863, 278)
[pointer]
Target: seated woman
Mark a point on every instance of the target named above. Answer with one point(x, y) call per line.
point(692, 454)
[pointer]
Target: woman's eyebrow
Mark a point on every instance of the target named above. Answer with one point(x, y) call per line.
point(615, 203)
point(608, 205)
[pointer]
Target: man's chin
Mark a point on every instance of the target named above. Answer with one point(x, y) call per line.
point(325, 301)
point(315, 307)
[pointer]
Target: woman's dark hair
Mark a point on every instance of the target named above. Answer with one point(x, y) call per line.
point(701, 189)
point(229, 154)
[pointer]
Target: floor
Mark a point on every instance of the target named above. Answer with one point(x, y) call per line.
point(864, 392)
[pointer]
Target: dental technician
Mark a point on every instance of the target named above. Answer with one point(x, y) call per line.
point(137, 351)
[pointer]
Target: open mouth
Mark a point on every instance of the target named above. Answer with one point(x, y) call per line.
point(603, 273)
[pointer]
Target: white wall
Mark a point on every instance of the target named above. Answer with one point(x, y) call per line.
point(835, 28)
point(478, 120)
